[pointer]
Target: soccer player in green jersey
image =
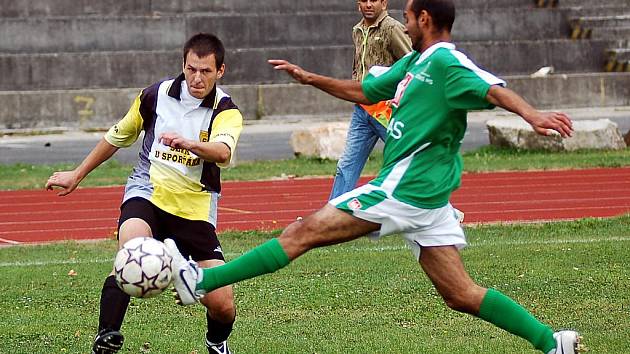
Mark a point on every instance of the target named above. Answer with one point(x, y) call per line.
point(431, 89)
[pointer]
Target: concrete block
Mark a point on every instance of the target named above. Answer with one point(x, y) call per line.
point(525, 57)
point(249, 66)
point(91, 34)
point(47, 8)
point(140, 68)
point(99, 108)
point(574, 90)
point(586, 4)
point(169, 31)
point(492, 25)
point(325, 141)
point(295, 99)
point(588, 134)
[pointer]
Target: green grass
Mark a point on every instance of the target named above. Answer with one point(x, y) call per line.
point(21, 176)
point(358, 297)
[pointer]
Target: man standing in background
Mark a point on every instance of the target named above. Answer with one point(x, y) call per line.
point(378, 40)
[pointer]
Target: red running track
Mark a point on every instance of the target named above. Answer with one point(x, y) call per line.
point(37, 216)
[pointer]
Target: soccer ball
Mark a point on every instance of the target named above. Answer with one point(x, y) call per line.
point(143, 267)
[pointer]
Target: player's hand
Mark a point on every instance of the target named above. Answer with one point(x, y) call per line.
point(176, 141)
point(295, 71)
point(66, 180)
point(544, 122)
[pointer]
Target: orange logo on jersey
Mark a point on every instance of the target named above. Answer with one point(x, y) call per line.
point(203, 136)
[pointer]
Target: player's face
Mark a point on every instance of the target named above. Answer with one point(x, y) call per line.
point(201, 74)
point(413, 26)
point(371, 9)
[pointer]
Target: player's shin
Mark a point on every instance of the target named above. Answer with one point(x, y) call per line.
point(504, 313)
point(266, 258)
point(114, 304)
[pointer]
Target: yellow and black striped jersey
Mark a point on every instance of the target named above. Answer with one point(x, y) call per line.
point(176, 180)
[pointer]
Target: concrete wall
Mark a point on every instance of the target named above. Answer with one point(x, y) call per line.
point(42, 8)
point(249, 66)
point(95, 109)
point(123, 33)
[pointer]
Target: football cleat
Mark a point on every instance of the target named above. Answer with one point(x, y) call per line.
point(567, 342)
point(186, 275)
point(221, 348)
point(107, 341)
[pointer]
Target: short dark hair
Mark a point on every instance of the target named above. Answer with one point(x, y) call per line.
point(442, 12)
point(204, 44)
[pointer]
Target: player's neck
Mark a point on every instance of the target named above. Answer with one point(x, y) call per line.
point(435, 38)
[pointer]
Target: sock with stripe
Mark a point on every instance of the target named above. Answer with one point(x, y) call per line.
point(266, 258)
point(504, 313)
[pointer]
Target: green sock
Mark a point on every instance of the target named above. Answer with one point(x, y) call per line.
point(504, 313)
point(263, 259)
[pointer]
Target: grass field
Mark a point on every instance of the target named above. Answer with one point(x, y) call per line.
point(359, 297)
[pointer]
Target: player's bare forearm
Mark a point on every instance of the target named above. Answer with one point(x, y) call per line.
point(69, 180)
point(208, 151)
point(542, 122)
point(348, 90)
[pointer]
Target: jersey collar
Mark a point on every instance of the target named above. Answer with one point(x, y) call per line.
point(427, 53)
point(175, 91)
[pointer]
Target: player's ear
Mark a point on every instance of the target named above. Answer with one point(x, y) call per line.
point(221, 71)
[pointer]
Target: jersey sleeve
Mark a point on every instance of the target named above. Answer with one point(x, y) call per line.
point(381, 82)
point(226, 128)
point(467, 85)
point(128, 129)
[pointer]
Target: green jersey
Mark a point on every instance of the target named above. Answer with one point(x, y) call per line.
point(430, 93)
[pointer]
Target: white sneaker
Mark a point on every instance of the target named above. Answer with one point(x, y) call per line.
point(220, 348)
point(186, 275)
point(567, 342)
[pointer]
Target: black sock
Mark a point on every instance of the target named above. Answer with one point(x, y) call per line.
point(114, 304)
point(217, 331)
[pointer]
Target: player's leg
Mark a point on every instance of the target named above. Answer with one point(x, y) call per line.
point(114, 302)
point(198, 240)
point(327, 226)
point(220, 315)
point(360, 141)
point(444, 267)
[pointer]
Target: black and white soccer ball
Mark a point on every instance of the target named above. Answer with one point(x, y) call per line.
point(143, 267)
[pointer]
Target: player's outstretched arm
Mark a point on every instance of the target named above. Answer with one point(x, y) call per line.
point(68, 181)
point(542, 122)
point(348, 90)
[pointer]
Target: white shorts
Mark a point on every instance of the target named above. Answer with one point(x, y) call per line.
point(419, 227)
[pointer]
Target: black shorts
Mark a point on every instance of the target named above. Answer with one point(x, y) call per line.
point(194, 238)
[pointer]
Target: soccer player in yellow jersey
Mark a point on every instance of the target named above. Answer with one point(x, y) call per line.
point(191, 128)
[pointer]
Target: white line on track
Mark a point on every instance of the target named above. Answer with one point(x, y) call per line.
point(11, 242)
point(350, 250)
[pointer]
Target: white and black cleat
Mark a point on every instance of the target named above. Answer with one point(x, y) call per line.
point(568, 342)
point(221, 348)
point(107, 341)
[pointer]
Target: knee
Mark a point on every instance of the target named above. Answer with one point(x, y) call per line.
point(467, 300)
point(296, 238)
point(222, 311)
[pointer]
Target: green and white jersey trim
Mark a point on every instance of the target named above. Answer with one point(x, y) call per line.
point(393, 178)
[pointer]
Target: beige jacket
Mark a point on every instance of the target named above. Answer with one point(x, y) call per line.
point(382, 43)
